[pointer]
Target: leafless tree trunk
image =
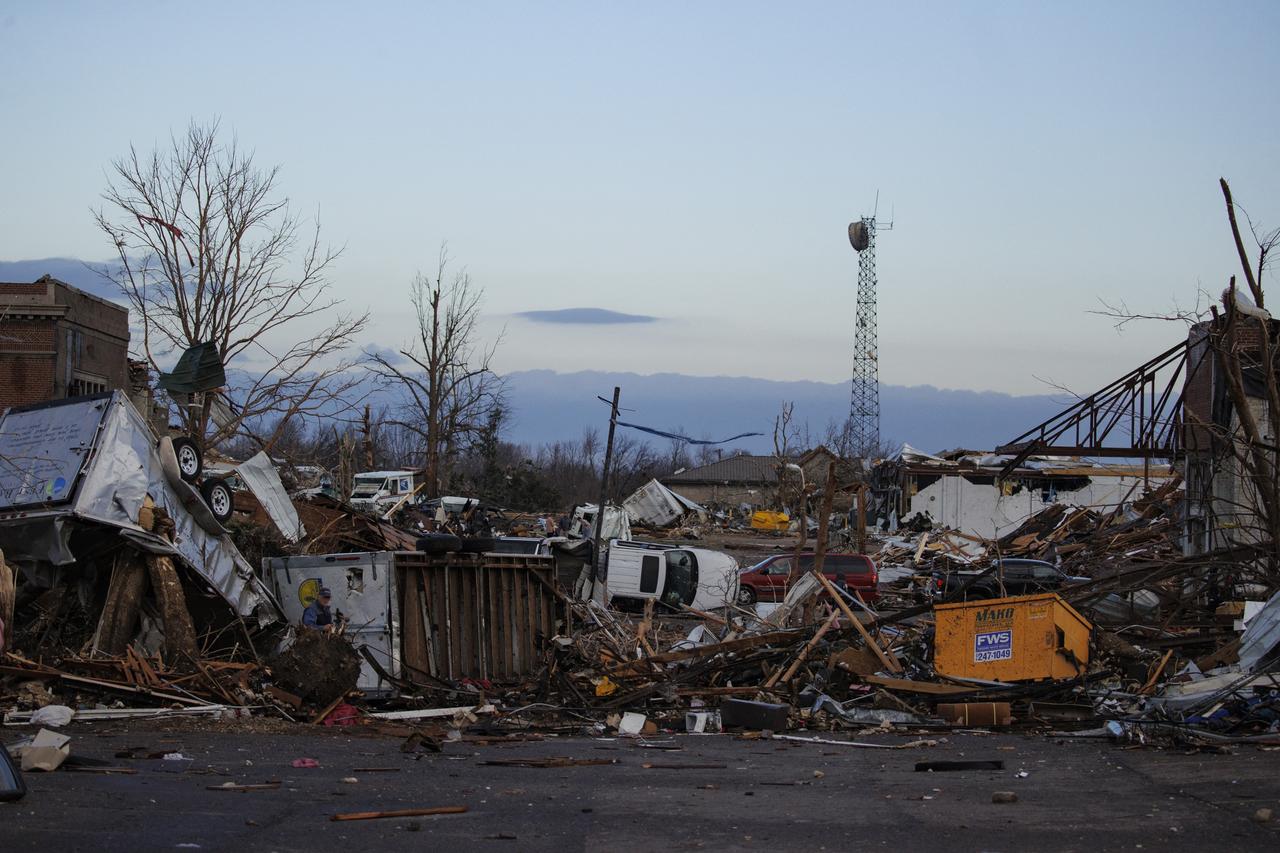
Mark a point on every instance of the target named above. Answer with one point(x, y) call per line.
point(210, 252)
point(449, 385)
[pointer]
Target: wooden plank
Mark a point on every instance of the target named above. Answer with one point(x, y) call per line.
point(804, 653)
point(508, 619)
point(439, 611)
point(478, 621)
point(890, 663)
point(517, 625)
point(428, 630)
point(717, 691)
point(400, 813)
point(485, 603)
point(462, 619)
point(470, 633)
point(928, 687)
point(411, 628)
point(530, 636)
point(639, 667)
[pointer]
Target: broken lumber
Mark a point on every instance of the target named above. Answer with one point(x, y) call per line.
point(559, 761)
point(890, 663)
point(399, 813)
point(741, 644)
point(179, 632)
point(123, 603)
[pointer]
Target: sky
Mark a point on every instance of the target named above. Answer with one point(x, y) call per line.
point(699, 164)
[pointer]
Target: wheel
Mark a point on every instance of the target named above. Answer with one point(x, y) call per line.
point(746, 596)
point(190, 463)
point(217, 494)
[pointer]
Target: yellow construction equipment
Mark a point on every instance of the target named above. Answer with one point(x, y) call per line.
point(763, 519)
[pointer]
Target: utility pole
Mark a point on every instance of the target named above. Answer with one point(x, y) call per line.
point(599, 576)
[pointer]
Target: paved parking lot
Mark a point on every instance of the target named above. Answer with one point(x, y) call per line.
point(744, 795)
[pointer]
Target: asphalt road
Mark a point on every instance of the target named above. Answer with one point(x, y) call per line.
point(761, 795)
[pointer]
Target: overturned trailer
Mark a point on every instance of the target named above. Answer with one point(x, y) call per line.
point(418, 618)
point(79, 478)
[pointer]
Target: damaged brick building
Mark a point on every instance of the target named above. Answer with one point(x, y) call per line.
point(57, 341)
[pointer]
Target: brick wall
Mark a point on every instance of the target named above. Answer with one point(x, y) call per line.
point(28, 364)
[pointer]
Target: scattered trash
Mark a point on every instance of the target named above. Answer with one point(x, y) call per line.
point(51, 715)
point(303, 763)
point(233, 786)
point(45, 751)
point(747, 714)
point(702, 722)
point(632, 723)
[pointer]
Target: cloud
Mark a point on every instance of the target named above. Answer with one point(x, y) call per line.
point(591, 316)
point(387, 354)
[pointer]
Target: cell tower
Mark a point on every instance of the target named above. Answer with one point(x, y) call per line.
point(864, 405)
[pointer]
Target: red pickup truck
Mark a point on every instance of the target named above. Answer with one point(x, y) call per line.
point(768, 579)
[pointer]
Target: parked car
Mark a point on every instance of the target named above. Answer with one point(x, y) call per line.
point(769, 579)
point(1021, 577)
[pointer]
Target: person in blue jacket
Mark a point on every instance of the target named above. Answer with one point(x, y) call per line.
point(317, 615)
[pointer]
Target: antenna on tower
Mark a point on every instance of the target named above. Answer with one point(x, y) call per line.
point(864, 403)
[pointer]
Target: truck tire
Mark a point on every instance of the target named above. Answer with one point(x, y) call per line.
point(746, 596)
point(478, 544)
point(438, 544)
point(190, 462)
point(217, 495)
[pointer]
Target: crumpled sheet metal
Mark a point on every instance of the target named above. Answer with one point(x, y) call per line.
point(259, 474)
point(123, 468)
point(1261, 637)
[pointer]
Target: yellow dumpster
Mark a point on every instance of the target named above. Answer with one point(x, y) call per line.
point(763, 519)
point(1024, 638)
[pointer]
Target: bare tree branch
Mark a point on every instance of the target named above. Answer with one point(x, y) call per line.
point(451, 391)
point(209, 252)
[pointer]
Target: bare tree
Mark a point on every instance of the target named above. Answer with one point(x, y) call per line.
point(449, 386)
point(209, 251)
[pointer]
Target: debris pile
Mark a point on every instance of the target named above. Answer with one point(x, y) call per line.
point(131, 602)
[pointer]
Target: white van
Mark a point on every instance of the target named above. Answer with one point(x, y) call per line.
point(672, 574)
point(379, 491)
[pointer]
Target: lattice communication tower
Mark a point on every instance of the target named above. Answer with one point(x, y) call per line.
point(864, 405)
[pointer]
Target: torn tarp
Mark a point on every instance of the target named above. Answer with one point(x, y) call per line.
point(686, 439)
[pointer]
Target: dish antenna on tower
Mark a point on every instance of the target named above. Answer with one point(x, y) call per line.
point(859, 235)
